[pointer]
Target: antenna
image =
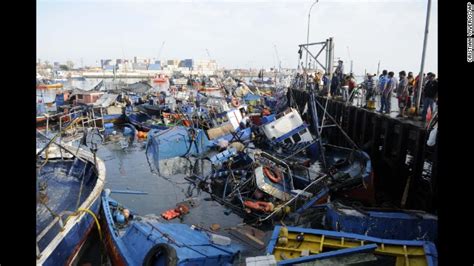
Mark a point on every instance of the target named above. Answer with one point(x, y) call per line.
point(161, 49)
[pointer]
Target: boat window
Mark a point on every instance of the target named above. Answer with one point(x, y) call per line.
point(303, 131)
point(296, 138)
point(288, 141)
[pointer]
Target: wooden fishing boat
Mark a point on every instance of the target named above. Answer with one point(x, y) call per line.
point(295, 245)
point(69, 183)
point(149, 240)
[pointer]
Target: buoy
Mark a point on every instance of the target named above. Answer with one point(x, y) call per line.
point(126, 213)
point(259, 205)
point(265, 112)
point(274, 174)
point(142, 134)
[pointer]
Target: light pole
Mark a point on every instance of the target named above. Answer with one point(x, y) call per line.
point(425, 42)
point(307, 35)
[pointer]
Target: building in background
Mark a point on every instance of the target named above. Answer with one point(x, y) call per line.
point(205, 65)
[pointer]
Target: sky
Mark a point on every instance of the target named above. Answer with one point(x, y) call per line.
point(238, 33)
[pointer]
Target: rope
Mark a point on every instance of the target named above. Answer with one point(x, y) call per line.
point(80, 210)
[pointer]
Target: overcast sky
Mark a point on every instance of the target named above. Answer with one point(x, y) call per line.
point(238, 33)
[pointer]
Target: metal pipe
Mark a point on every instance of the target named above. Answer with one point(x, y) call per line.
point(307, 34)
point(425, 41)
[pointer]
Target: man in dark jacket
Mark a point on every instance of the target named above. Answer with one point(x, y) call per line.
point(430, 93)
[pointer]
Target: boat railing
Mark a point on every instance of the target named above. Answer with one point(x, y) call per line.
point(278, 208)
point(271, 157)
point(57, 219)
point(86, 121)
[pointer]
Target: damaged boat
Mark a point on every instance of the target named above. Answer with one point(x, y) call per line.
point(295, 245)
point(149, 240)
point(69, 182)
point(285, 172)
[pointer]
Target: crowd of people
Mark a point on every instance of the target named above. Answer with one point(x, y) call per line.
point(381, 89)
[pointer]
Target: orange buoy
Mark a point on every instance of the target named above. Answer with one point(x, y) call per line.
point(259, 205)
point(187, 123)
point(265, 112)
point(170, 214)
point(142, 134)
point(274, 174)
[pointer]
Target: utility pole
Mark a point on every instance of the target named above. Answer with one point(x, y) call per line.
point(425, 41)
point(350, 59)
point(307, 34)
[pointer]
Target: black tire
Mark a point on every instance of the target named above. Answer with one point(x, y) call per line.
point(166, 250)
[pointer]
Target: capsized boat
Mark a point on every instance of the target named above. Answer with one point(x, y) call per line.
point(295, 245)
point(149, 240)
point(383, 223)
point(69, 183)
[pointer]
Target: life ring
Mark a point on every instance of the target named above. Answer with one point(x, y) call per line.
point(259, 205)
point(161, 253)
point(235, 102)
point(274, 174)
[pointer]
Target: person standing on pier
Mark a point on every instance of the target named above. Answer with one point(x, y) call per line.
point(352, 85)
point(430, 94)
point(387, 92)
point(334, 85)
point(411, 84)
point(325, 84)
point(383, 79)
point(415, 88)
point(369, 86)
point(339, 70)
point(402, 93)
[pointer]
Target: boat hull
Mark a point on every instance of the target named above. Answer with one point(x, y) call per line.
point(60, 246)
point(382, 223)
point(135, 241)
point(323, 244)
point(73, 239)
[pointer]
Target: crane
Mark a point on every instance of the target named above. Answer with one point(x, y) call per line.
point(278, 57)
point(350, 59)
point(161, 49)
point(208, 54)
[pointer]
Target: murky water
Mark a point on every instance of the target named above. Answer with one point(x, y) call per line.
point(128, 169)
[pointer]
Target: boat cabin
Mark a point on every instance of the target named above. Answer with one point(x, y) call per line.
point(86, 97)
point(287, 127)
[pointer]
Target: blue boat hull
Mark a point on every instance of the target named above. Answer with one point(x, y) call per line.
point(406, 225)
point(70, 245)
point(67, 188)
point(132, 246)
